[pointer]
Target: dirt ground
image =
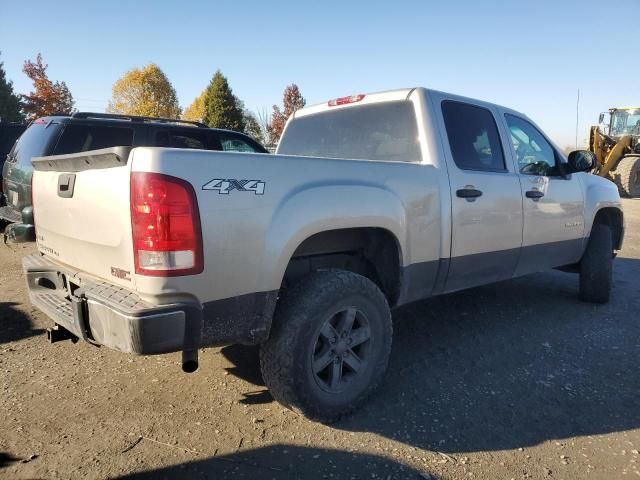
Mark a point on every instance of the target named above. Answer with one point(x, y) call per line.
point(513, 380)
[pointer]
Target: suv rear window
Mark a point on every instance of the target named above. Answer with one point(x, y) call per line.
point(34, 142)
point(80, 138)
point(379, 131)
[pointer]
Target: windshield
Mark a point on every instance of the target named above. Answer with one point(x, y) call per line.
point(625, 122)
point(379, 131)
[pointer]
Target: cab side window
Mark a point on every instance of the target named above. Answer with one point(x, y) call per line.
point(534, 154)
point(473, 137)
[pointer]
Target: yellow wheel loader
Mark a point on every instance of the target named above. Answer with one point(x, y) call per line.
point(616, 145)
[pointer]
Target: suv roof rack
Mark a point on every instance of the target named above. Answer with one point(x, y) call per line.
point(135, 118)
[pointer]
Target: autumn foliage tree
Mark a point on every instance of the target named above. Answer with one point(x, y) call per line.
point(222, 108)
point(292, 100)
point(48, 97)
point(145, 92)
point(195, 111)
point(10, 108)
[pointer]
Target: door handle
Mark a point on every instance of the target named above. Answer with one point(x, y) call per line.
point(468, 193)
point(66, 182)
point(535, 194)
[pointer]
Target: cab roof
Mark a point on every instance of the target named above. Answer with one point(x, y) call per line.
point(384, 96)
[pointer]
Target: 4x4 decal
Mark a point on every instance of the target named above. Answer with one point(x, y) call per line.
point(225, 185)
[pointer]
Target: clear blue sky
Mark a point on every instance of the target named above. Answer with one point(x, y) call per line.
point(528, 55)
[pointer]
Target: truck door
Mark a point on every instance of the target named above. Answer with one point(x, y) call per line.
point(486, 197)
point(553, 202)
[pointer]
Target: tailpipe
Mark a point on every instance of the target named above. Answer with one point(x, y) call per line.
point(189, 361)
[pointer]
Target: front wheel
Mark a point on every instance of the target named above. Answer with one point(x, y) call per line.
point(329, 344)
point(596, 266)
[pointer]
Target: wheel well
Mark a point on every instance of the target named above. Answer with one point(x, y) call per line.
point(371, 252)
point(613, 218)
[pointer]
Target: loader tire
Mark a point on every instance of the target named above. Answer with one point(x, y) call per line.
point(329, 345)
point(627, 177)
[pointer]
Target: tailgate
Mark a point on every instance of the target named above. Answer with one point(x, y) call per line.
point(82, 215)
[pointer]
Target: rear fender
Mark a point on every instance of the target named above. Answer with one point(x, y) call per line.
point(318, 209)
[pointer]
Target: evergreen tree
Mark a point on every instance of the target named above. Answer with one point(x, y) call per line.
point(10, 107)
point(221, 108)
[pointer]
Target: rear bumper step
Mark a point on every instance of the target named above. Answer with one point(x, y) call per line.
point(108, 315)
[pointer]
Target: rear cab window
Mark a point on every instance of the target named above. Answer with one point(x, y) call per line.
point(473, 137)
point(81, 138)
point(378, 131)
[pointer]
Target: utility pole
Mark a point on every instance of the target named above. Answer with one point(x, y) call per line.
point(577, 116)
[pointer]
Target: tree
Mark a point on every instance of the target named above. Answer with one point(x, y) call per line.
point(276, 126)
point(10, 107)
point(292, 100)
point(264, 121)
point(146, 92)
point(252, 127)
point(48, 98)
point(221, 105)
point(195, 111)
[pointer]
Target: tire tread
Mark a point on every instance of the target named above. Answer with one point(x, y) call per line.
point(277, 361)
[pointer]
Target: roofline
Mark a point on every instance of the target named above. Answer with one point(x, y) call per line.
point(150, 120)
point(134, 118)
point(396, 94)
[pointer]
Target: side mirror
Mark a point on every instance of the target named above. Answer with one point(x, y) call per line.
point(601, 118)
point(581, 161)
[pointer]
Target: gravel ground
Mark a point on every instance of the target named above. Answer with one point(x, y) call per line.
point(513, 380)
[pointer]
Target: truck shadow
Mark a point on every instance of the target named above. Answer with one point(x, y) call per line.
point(14, 324)
point(505, 366)
point(287, 462)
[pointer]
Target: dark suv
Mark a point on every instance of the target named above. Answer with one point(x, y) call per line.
point(9, 133)
point(82, 131)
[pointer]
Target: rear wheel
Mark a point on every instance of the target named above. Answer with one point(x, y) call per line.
point(596, 266)
point(329, 345)
point(627, 177)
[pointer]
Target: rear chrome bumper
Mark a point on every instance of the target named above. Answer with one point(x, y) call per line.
point(105, 314)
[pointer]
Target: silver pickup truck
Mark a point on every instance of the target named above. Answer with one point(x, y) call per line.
point(371, 201)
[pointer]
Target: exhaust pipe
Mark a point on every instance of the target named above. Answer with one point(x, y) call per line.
point(58, 334)
point(189, 361)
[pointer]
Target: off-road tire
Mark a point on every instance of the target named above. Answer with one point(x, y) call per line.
point(627, 177)
point(596, 266)
point(286, 358)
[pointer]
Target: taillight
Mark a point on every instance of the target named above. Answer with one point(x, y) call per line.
point(345, 100)
point(167, 240)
